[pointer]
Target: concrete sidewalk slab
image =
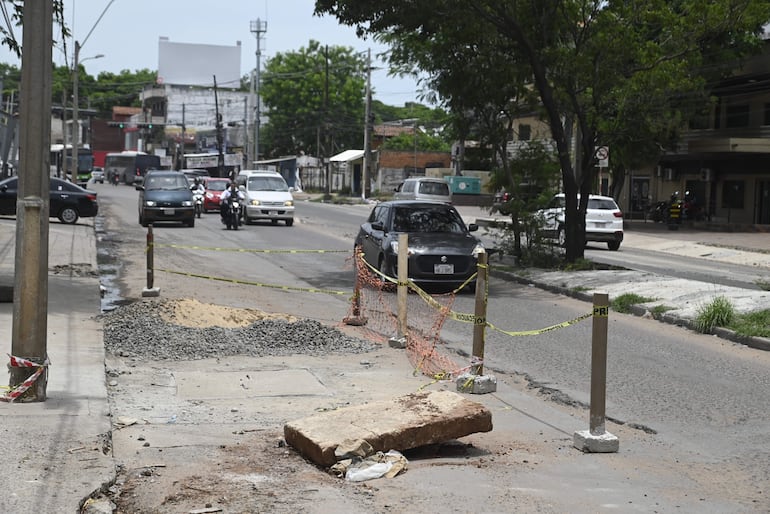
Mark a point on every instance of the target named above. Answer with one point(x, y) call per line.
point(400, 424)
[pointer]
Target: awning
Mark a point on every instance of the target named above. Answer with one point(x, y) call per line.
point(347, 156)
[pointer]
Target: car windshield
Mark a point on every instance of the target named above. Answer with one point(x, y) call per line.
point(434, 188)
point(168, 182)
point(217, 185)
point(266, 184)
point(427, 219)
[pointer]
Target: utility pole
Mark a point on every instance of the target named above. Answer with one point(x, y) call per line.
point(367, 126)
point(328, 190)
point(258, 27)
point(220, 138)
point(30, 287)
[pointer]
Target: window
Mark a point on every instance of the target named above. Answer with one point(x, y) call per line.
point(737, 116)
point(732, 194)
point(525, 132)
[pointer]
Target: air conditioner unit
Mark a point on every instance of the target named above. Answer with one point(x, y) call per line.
point(668, 173)
point(706, 174)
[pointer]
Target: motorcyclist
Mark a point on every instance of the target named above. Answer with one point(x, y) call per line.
point(198, 187)
point(231, 191)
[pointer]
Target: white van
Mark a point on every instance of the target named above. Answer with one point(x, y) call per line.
point(424, 188)
point(267, 197)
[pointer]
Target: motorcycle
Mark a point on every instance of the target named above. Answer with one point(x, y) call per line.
point(232, 214)
point(198, 202)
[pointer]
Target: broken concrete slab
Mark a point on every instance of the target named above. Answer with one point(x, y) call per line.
point(400, 424)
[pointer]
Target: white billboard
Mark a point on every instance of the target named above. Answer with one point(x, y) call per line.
point(193, 64)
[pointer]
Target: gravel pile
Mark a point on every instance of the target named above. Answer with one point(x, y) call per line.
point(138, 331)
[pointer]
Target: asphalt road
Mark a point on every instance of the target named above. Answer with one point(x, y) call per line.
point(703, 396)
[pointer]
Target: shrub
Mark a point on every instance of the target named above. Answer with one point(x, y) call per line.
point(719, 313)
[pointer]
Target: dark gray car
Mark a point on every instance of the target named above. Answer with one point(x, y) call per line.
point(442, 250)
point(165, 196)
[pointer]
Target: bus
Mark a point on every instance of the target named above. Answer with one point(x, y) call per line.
point(85, 163)
point(129, 166)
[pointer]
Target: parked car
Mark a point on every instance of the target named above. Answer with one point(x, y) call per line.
point(424, 188)
point(214, 189)
point(97, 175)
point(165, 196)
point(500, 201)
point(67, 201)
point(604, 220)
point(442, 249)
point(267, 197)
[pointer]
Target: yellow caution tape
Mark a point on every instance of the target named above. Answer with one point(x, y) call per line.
point(260, 284)
point(564, 324)
point(243, 250)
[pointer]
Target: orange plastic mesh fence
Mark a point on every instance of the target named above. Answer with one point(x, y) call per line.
point(374, 306)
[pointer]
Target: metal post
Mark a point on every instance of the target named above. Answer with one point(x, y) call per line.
point(150, 290)
point(403, 289)
point(258, 27)
point(599, 363)
point(30, 291)
point(480, 313)
point(75, 116)
point(367, 126)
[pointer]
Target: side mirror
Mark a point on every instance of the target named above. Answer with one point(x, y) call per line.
point(139, 187)
point(377, 225)
point(472, 227)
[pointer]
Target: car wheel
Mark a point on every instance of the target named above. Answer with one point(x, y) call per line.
point(68, 215)
point(562, 237)
point(290, 222)
point(613, 245)
point(191, 222)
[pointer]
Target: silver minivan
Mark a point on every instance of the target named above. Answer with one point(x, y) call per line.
point(267, 197)
point(424, 188)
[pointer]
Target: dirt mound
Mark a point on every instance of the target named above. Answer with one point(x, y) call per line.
point(192, 313)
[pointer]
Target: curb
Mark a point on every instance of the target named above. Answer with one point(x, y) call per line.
point(758, 343)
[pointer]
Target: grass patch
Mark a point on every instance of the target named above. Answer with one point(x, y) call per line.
point(659, 310)
point(580, 289)
point(720, 312)
point(624, 302)
point(763, 284)
point(752, 324)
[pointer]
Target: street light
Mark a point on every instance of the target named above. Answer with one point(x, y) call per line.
point(75, 114)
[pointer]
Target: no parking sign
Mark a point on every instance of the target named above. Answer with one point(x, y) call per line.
point(602, 156)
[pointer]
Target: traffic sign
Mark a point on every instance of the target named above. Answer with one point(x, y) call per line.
point(602, 154)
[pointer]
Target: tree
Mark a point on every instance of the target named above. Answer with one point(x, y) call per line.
point(314, 100)
point(594, 65)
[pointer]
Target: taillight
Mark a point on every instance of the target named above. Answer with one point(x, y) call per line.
point(91, 197)
point(617, 214)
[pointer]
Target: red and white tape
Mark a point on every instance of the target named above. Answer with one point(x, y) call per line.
point(19, 362)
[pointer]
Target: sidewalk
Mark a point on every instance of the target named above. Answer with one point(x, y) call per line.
point(57, 451)
point(61, 449)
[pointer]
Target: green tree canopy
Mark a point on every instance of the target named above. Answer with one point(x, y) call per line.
point(596, 67)
point(315, 100)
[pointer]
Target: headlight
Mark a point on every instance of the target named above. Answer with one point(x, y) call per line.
point(255, 202)
point(479, 248)
point(149, 203)
point(288, 203)
point(209, 196)
point(394, 248)
point(187, 203)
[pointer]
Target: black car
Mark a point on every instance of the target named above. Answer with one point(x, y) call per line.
point(68, 201)
point(442, 249)
point(165, 196)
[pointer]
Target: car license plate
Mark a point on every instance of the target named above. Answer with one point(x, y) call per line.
point(168, 212)
point(272, 213)
point(443, 269)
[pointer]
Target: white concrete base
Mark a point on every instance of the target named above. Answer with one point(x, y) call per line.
point(476, 384)
point(397, 342)
point(150, 292)
point(587, 442)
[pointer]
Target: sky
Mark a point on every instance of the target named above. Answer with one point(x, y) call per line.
point(128, 33)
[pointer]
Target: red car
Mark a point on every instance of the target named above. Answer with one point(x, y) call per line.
point(214, 188)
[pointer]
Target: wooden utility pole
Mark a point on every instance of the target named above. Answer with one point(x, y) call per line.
point(30, 289)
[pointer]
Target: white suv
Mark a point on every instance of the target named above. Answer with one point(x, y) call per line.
point(604, 220)
point(267, 197)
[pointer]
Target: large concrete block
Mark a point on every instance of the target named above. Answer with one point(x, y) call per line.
point(402, 423)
